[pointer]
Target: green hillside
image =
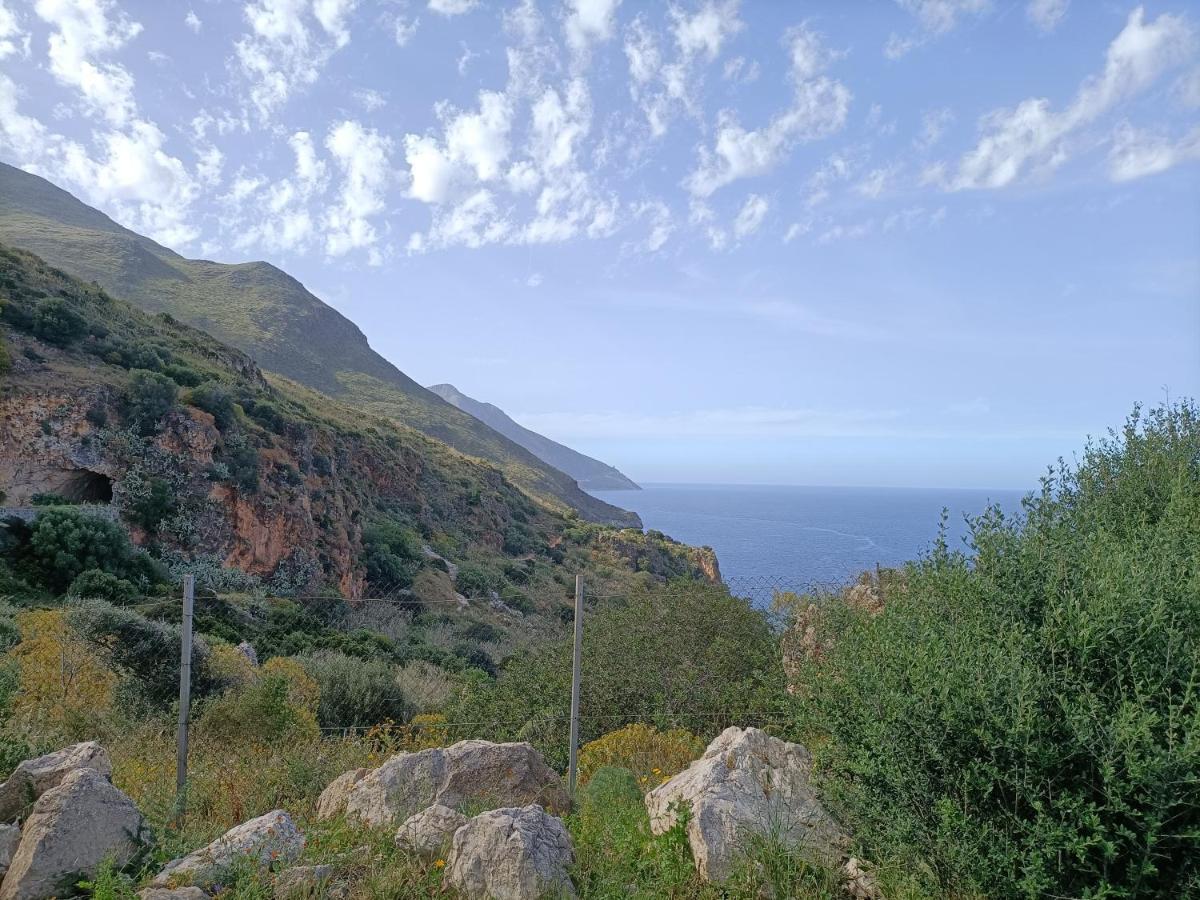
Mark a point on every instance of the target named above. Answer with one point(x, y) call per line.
point(269, 315)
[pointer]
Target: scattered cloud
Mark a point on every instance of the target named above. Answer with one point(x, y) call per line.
point(662, 225)
point(1046, 15)
point(1032, 136)
point(13, 39)
point(534, 280)
point(818, 109)
point(369, 99)
point(361, 155)
point(589, 22)
point(750, 217)
point(192, 21)
point(1137, 154)
point(739, 70)
point(403, 30)
point(452, 7)
point(934, 123)
point(934, 18)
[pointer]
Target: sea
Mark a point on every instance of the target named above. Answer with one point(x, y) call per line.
point(792, 538)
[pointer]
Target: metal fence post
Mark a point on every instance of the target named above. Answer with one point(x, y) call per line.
point(185, 692)
point(576, 672)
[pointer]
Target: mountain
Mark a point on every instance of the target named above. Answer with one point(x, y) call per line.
point(590, 473)
point(270, 316)
point(252, 481)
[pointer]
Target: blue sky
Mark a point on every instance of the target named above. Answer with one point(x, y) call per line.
point(923, 242)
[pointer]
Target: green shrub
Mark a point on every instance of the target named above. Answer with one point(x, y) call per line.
point(184, 376)
point(48, 498)
point(5, 357)
point(1027, 721)
point(355, 692)
point(151, 507)
point(477, 580)
point(144, 651)
point(148, 397)
point(216, 400)
point(99, 585)
point(55, 322)
point(392, 555)
point(64, 542)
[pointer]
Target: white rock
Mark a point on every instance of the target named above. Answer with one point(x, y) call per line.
point(183, 893)
point(273, 838)
point(34, 777)
point(429, 832)
point(511, 854)
point(10, 837)
point(72, 829)
point(469, 771)
point(746, 784)
point(332, 801)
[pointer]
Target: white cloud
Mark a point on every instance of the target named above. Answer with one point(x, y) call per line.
point(933, 126)
point(1137, 154)
point(1046, 15)
point(1033, 136)
point(475, 147)
point(452, 7)
point(739, 70)
point(818, 108)
point(404, 29)
point(1187, 89)
point(84, 32)
point(192, 21)
point(750, 217)
point(706, 30)
point(875, 182)
point(589, 22)
point(369, 99)
point(13, 38)
point(935, 18)
point(795, 230)
point(283, 52)
point(661, 224)
point(534, 280)
point(362, 157)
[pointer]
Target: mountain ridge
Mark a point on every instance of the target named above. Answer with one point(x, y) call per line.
point(268, 314)
point(589, 473)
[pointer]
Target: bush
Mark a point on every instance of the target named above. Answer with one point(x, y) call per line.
point(55, 322)
point(354, 692)
point(6, 360)
point(152, 506)
point(392, 555)
point(476, 580)
point(216, 400)
point(148, 397)
point(48, 498)
point(100, 585)
point(265, 709)
point(651, 755)
point(1026, 721)
point(144, 651)
point(64, 542)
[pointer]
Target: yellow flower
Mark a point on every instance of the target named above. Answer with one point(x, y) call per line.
point(656, 771)
point(439, 863)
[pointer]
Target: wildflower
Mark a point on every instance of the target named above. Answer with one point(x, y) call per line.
point(439, 863)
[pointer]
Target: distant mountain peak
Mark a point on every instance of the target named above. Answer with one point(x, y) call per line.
point(591, 474)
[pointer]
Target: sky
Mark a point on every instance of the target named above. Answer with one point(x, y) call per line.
point(885, 242)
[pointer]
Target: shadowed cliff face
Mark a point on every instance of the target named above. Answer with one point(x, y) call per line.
point(263, 311)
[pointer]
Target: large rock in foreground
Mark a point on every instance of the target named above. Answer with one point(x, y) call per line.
point(469, 771)
point(512, 854)
point(269, 839)
point(34, 777)
point(332, 801)
point(73, 828)
point(746, 784)
point(430, 832)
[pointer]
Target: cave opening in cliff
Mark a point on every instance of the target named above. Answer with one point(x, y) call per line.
point(86, 486)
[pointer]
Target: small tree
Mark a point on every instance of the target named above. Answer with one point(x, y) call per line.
point(55, 322)
point(148, 398)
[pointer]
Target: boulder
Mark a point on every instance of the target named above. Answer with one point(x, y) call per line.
point(302, 882)
point(746, 784)
point(72, 829)
point(10, 837)
point(512, 854)
point(332, 801)
point(183, 893)
point(34, 777)
point(266, 840)
point(860, 881)
point(429, 832)
point(469, 771)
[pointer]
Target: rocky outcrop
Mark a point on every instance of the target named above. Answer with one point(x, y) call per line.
point(183, 893)
point(746, 784)
point(73, 828)
point(10, 837)
point(429, 833)
point(267, 840)
point(512, 854)
point(34, 777)
point(469, 771)
point(302, 882)
point(332, 801)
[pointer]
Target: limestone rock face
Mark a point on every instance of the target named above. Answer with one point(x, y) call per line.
point(332, 801)
point(500, 774)
point(268, 839)
point(34, 777)
point(10, 837)
point(747, 783)
point(72, 829)
point(430, 832)
point(512, 854)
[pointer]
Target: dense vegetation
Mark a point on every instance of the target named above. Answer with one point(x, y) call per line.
point(1024, 721)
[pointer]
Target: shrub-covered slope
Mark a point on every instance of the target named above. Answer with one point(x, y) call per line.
point(209, 461)
point(270, 316)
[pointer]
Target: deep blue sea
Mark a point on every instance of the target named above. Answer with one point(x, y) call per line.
point(796, 537)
